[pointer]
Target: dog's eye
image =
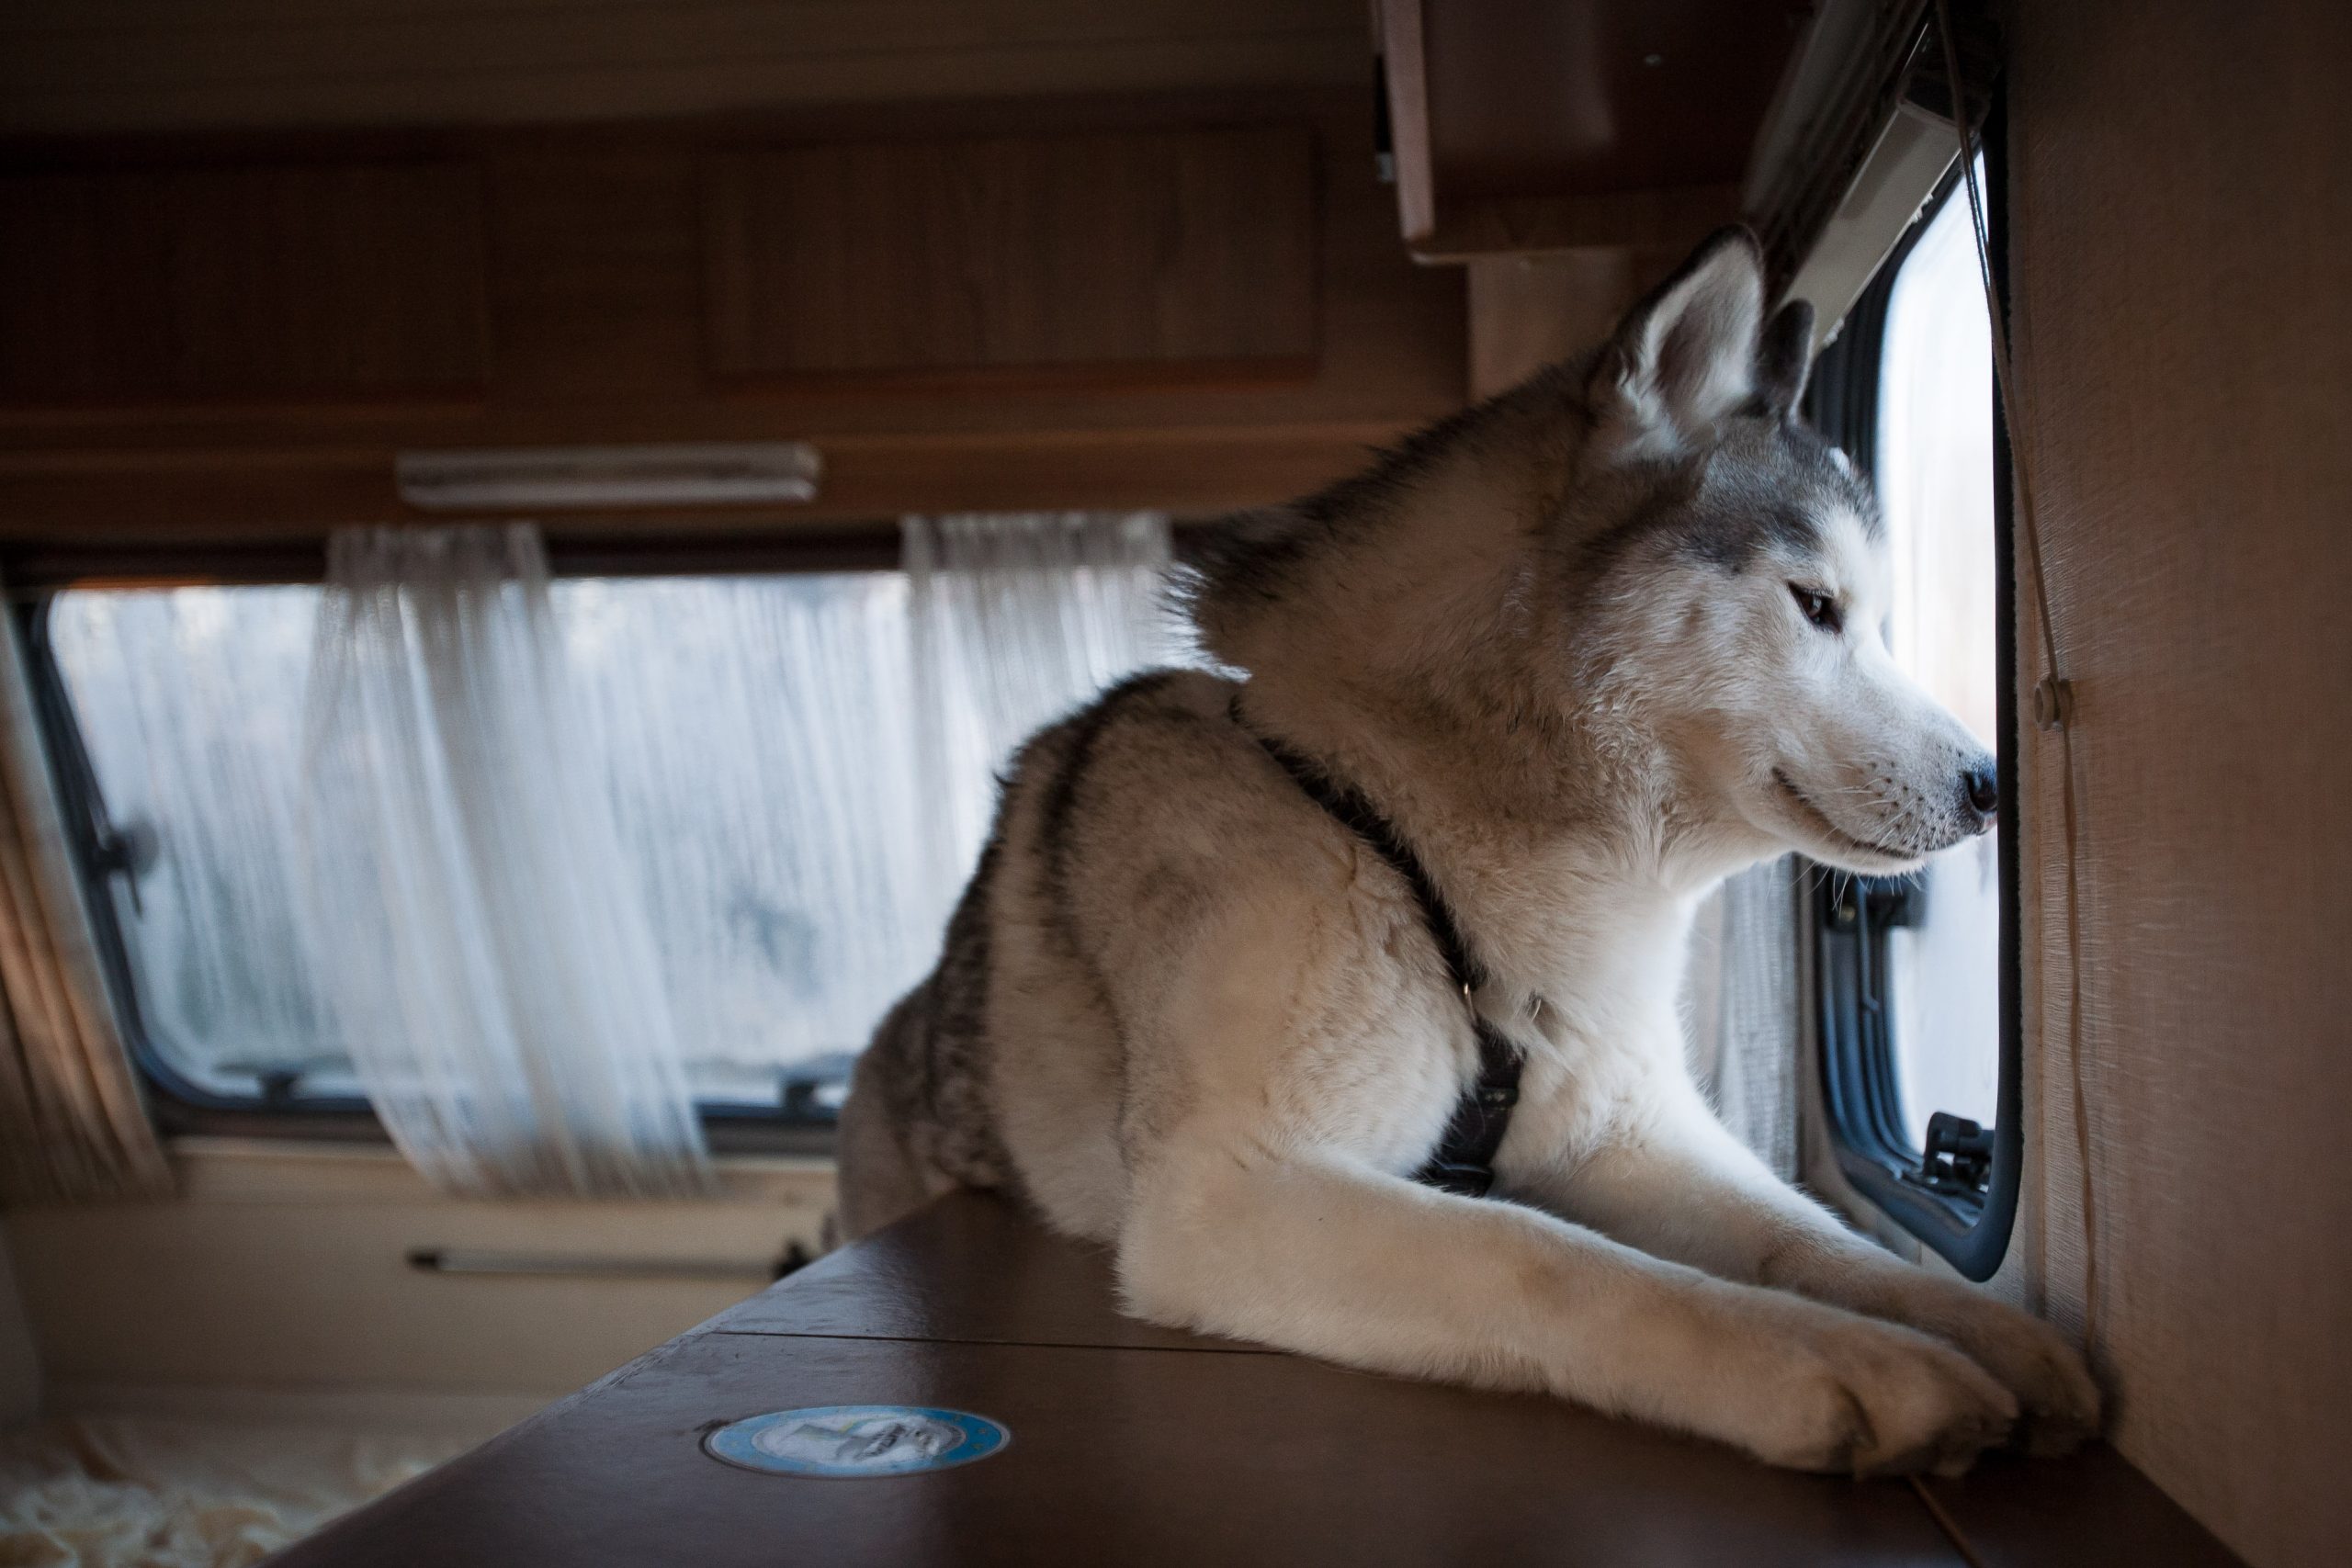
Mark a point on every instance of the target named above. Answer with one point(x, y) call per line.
point(1818, 607)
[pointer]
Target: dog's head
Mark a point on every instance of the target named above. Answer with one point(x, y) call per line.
point(1732, 585)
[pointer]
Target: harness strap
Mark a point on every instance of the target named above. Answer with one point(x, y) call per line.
point(1465, 1160)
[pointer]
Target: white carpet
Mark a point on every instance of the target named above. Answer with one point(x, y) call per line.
point(130, 1492)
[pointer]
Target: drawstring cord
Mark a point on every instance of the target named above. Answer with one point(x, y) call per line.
point(2054, 707)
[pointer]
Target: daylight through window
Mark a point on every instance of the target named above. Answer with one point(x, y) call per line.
point(1935, 480)
point(800, 799)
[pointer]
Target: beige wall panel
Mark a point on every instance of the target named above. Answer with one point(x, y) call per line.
point(284, 1270)
point(1528, 312)
point(2182, 202)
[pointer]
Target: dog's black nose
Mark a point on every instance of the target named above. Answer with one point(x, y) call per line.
point(1980, 785)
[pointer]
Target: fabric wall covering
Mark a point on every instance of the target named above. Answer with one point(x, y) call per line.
point(2181, 206)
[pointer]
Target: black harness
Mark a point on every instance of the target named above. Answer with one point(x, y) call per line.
point(1465, 1160)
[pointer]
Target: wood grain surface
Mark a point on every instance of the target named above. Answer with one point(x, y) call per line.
point(1135, 248)
point(1134, 1446)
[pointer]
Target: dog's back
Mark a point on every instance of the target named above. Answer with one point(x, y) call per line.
point(917, 1122)
point(922, 1115)
point(1026, 1059)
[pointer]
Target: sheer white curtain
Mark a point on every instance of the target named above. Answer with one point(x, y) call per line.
point(1741, 1007)
point(476, 925)
point(758, 737)
point(1018, 618)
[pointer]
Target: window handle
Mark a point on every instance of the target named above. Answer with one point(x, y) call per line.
point(127, 852)
point(486, 1261)
point(1959, 1157)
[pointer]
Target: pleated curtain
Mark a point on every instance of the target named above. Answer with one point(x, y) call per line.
point(72, 1126)
point(1741, 1008)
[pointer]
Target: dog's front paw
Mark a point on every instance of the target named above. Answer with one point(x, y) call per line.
point(2058, 1404)
point(1868, 1397)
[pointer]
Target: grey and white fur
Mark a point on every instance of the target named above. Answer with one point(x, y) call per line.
point(1591, 646)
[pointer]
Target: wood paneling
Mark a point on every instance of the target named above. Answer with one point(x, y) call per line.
point(1129, 1447)
point(1137, 1446)
point(1528, 312)
point(299, 493)
point(1110, 249)
point(282, 1265)
point(1669, 222)
point(1144, 1459)
point(73, 66)
point(923, 1279)
point(271, 283)
point(594, 290)
point(1595, 97)
point(294, 281)
point(599, 297)
point(84, 301)
point(1552, 125)
point(2090, 1507)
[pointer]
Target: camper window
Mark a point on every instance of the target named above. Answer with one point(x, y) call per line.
point(765, 740)
point(1910, 970)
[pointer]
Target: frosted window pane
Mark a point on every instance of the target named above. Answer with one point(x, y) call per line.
point(761, 736)
point(190, 703)
point(1935, 478)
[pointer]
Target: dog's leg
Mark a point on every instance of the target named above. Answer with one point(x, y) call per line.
point(1336, 1260)
point(1680, 1186)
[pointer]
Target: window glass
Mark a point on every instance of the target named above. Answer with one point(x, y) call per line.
point(190, 708)
point(759, 740)
point(1935, 479)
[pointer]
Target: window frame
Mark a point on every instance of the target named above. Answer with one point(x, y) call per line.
point(1853, 1042)
point(183, 1106)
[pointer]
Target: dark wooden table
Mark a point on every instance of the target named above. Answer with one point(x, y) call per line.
point(1138, 1446)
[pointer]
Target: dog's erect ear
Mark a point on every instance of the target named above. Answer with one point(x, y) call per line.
point(1685, 356)
point(1785, 359)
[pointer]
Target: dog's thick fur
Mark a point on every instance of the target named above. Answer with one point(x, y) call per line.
point(1592, 647)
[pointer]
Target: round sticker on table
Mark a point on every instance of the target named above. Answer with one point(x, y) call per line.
point(857, 1440)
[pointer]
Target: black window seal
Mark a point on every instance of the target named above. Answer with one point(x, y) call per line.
point(1971, 1230)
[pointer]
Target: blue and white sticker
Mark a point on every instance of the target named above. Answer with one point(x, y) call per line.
point(858, 1441)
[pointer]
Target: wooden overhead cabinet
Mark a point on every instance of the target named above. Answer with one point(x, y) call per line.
point(1552, 125)
point(259, 283)
point(1149, 249)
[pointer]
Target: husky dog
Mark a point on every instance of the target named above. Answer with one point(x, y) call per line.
point(1586, 649)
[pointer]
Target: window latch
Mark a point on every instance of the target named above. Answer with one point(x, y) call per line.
point(1959, 1159)
point(805, 1101)
point(125, 852)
